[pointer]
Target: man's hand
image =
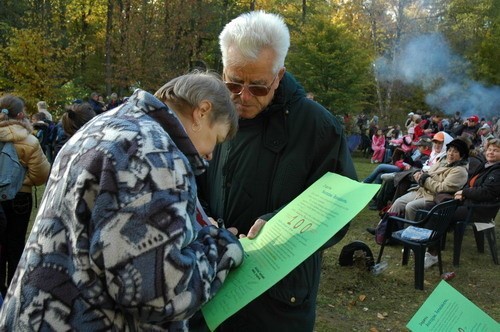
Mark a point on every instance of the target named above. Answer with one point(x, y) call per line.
point(255, 229)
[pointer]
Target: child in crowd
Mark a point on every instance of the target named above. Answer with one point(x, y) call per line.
point(378, 147)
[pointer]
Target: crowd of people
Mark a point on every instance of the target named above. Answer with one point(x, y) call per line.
point(52, 134)
point(121, 242)
point(435, 157)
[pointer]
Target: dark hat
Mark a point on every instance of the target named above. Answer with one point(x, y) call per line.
point(461, 146)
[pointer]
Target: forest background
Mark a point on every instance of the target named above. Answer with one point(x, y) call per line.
point(384, 57)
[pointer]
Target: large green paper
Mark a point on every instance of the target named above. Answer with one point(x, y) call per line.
point(291, 236)
point(448, 310)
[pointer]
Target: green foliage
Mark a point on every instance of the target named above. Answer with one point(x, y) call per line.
point(32, 66)
point(473, 29)
point(330, 62)
point(112, 45)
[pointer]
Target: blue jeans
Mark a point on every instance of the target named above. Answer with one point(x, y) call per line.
point(374, 177)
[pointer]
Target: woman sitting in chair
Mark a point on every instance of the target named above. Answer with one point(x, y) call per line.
point(449, 175)
point(483, 187)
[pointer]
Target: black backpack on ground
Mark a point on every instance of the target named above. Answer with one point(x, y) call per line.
point(354, 251)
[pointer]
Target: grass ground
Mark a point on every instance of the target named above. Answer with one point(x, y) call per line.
point(351, 299)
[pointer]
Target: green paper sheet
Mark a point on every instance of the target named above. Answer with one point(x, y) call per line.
point(448, 310)
point(286, 240)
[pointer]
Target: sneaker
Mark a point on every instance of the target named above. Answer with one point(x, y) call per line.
point(371, 230)
point(387, 176)
point(429, 260)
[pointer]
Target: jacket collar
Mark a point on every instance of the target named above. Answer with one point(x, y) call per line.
point(149, 104)
point(461, 162)
point(14, 130)
point(274, 116)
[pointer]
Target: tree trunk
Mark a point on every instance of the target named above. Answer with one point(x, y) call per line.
point(108, 51)
point(304, 10)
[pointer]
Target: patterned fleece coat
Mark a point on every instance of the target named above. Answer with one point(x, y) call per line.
point(114, 246)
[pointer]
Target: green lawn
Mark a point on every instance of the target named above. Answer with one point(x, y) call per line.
point(351, 299)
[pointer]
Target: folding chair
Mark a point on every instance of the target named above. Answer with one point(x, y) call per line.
point(461, 225)
point(437, 220)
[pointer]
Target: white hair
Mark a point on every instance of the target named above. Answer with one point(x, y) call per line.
point(252, 32)
point(41, 105)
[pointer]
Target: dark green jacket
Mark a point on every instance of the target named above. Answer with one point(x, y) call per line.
point(273, 158)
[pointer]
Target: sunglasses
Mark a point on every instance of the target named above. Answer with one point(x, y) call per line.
point(256, 90)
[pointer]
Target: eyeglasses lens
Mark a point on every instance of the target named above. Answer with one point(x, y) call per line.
point(256, 90)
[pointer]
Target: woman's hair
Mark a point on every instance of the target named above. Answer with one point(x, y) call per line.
point(10, 107)
point(188, 91)
point(492, 141)
point(76, 116)
point(39, 117)
point(252, 32)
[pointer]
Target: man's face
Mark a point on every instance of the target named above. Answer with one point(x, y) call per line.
point(259, 72)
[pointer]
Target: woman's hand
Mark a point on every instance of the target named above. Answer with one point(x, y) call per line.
point(213, 222)
point(417, 176)
point(459, 195)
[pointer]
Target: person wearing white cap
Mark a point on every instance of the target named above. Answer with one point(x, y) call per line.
point(484, 133)
point(42, 108)
point(409, 119)
point(439, 142)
